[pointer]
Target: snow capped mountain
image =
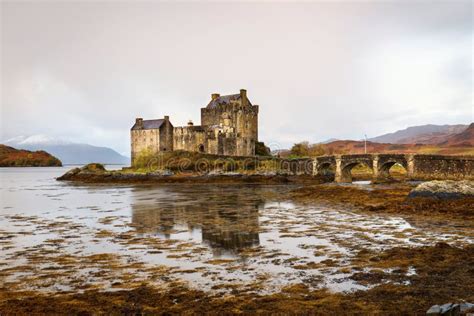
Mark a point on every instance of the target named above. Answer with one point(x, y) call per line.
point(39, 139)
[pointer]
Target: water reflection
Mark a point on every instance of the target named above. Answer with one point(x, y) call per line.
point(224, 218)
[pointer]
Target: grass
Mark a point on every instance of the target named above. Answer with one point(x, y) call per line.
point(184, 161)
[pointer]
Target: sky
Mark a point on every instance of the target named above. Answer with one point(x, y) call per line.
point(84, 70)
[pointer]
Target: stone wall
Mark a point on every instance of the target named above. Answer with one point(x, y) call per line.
point(144, 140)
point(228, 127)
point(419, 167)
point(166, 136)
point(433, 167)
point(189, 138)
point(236, 121)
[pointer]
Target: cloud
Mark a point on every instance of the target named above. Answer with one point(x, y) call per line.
point(85, 70)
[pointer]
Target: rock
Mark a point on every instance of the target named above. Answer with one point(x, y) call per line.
point(466, 307)
point(87, 170)
point(215, 172)
point(448, 309)
point(72, 172)
point(447, 189)
point(434, 310)
point(165, 172)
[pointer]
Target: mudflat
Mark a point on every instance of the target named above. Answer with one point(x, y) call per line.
point(291, 248)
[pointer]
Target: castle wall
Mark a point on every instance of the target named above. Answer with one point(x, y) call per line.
point(189, 138)
point(238, 122)
point(229, 127)
point(228, 146)
point(144, 139)
point(166, 140)
point(212, 145)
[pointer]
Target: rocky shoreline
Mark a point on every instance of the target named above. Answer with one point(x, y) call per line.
point(96, 174)
point(446, 268)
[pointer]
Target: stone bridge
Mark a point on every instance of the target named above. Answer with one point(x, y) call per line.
point(418, 167)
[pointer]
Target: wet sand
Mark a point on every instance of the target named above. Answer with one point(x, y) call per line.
point(321, 249)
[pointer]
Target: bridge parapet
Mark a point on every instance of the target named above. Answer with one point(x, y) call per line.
point(442, 167)
point(418, 166)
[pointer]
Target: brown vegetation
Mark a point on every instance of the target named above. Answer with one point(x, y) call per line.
point(11, 157)
point(457, 144)
point(443, 274)
point(385, 200)
point(440, 273)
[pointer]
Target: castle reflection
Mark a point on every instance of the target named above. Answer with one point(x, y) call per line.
point(222, 217)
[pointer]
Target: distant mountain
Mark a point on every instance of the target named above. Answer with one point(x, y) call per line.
point(69, 152)
point(11, 157)
point(463, 139)
point(424, 134)
point(461, 144)
point(330, 140)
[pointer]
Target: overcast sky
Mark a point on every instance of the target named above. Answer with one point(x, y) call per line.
point(84, 70)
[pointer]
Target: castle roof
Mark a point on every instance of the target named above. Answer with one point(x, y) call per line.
point(223, 100)
point(150, 124)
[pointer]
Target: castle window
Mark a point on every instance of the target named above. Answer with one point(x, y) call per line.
point(201, 148)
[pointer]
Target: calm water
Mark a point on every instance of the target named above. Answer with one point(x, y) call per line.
point(56, 236)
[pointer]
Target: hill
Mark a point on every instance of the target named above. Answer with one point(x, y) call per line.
point(459, 143)
point(424, 134)
point(69, 152)
point(11, 157)
point(463, 139)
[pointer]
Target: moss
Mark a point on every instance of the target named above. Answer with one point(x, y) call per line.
point(94, 167)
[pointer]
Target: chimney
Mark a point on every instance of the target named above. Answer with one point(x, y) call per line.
point(243, 96)
point(167, 118)
point(139, 122)
point(190, 123)
point(215, 96)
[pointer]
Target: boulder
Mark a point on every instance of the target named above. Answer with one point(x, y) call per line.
point(87, 170)
point(447, 189)
point(450, 309)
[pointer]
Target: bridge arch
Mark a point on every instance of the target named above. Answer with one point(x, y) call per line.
point(345, 164)
point(383, 163)
point(325, 167)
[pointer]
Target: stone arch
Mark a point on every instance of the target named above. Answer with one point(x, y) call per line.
point(346, 171)
point(326, 170)
point(345, 164)
point(386, 162)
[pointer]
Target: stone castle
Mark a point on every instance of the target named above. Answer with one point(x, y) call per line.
point(229, 126)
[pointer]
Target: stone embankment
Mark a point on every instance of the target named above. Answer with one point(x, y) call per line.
point(96, 173)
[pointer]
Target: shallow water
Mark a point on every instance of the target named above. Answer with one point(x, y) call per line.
point(56, 236)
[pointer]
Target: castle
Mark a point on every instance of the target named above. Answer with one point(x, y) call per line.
point(229, 126)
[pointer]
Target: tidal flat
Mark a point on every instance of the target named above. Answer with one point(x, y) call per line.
point(228, 248)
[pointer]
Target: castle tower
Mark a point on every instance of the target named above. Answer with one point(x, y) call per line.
point(237, 120)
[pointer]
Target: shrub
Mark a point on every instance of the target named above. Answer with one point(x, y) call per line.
point(94, 167)
point(261, 149)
